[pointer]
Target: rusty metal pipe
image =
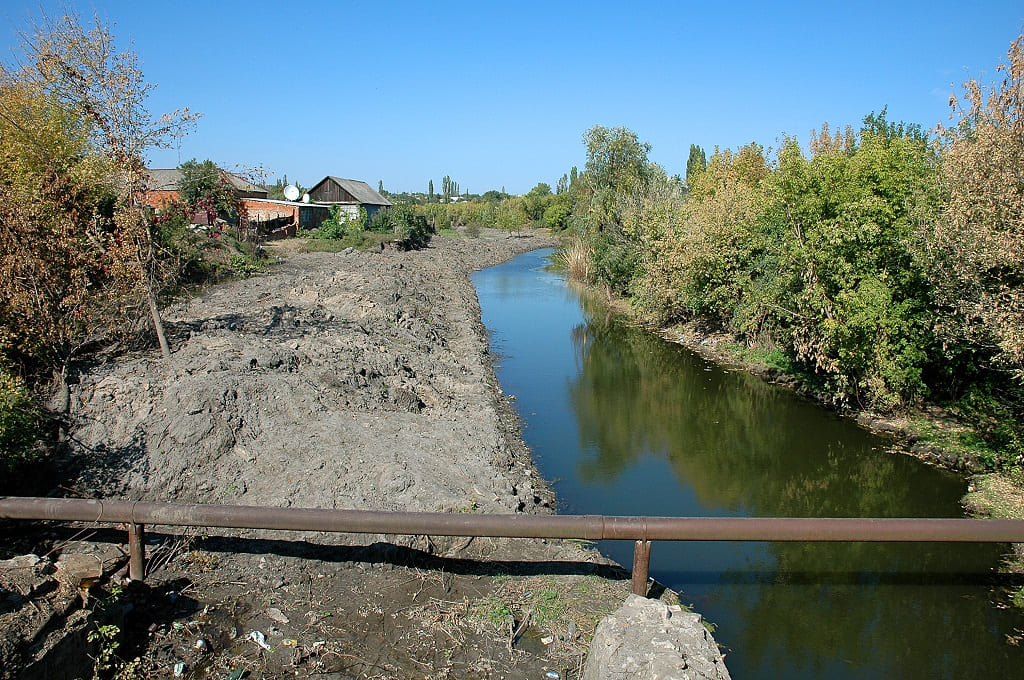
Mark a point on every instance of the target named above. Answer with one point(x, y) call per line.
point(136, 552)
point(592, 527)
point(641, 567)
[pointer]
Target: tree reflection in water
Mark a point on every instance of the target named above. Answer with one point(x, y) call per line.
point(630, 424)
point(820, 609)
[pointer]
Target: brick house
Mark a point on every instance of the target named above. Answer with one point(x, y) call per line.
point(279, 219)
point(162, 186)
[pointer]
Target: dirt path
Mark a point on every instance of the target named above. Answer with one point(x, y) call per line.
point(349, 380)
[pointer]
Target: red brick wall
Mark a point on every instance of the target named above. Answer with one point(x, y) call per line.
point(160, 198)
point(264, 210)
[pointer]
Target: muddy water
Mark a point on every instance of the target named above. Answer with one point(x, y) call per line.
point(626, 423)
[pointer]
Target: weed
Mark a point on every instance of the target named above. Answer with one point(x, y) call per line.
point(493, 610)
point(106, 656)
point(245, 265)
point(548, 607)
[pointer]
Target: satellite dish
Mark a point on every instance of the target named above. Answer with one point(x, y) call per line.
point(291, 192)
point(305, 198)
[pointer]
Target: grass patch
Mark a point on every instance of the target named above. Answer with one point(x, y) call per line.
point(953, 437)
point(1001, 495)
point(759, 356)
point(553, 603)
point(997, 495)
point(492, 611)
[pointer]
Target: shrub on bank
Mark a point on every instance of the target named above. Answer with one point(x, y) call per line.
point(340, 225)
point(19, 422)
point(411, 229)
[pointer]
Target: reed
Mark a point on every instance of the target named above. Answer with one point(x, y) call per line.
point(575, 257)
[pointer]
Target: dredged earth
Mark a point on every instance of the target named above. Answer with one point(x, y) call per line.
point(333, 380)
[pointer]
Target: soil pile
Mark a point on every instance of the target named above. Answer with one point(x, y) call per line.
point(348, 380)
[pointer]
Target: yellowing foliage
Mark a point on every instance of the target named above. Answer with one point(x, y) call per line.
point(979, 239)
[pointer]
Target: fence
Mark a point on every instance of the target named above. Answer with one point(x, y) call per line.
point(642, 530)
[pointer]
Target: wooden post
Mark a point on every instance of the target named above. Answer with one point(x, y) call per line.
point(641, 567)
point(136, 552)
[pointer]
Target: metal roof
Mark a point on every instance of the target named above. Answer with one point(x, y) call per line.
point(361, 191)
point(163, 180)
point(167, 179)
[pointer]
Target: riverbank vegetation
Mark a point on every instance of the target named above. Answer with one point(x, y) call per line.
point(884, 264)
point(83, 260)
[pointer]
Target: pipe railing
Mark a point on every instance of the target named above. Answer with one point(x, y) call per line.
point(642, 530)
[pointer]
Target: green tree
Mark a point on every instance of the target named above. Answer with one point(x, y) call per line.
point(556, 215)
point(856, 293)
point(509, 215)
point(617, 171)
point(536, 201)
point(696, 163)
point(203, 186)
point(699, 254)
point(616, 179)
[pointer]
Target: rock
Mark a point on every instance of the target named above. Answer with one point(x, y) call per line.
point(650, 639)
point(21, 562)
point(276, 614)
point(79, 567)
point(24, 575)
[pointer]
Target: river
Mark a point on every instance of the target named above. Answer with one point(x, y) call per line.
point(624, 423)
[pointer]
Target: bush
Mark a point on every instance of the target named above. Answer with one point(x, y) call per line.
point(412, 230)
point(996, 413)
point(381, 222)
point(339, 224)
point(19, 422)
point(615, 264)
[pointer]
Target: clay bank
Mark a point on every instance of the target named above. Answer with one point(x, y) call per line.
point(348, 380)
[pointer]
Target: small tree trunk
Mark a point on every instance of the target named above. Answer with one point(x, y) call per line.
point(60, 400)
point(158, 323)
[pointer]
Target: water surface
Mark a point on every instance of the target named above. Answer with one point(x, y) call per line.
point(625, 423)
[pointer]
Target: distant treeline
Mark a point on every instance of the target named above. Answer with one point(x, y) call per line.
point(885, 263)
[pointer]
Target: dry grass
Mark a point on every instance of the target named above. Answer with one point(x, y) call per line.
point(575, 257)
point(999, 495)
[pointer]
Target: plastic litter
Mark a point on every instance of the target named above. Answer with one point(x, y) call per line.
point(553, 675)
point(202, 645)
point(260, 639)
point(179, 669)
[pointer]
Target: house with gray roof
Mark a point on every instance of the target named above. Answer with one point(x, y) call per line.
point(350, 194)
point(168, 179)
point(162, 186)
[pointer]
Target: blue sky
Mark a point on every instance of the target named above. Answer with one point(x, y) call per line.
point(500, 94)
